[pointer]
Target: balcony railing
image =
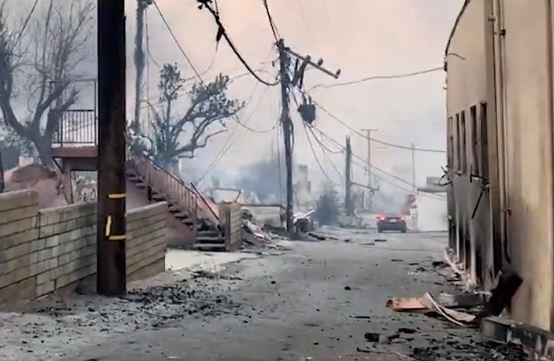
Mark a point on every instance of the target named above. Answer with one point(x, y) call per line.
point(76, 127)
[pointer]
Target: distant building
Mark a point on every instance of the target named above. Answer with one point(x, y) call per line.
point(432, 209)
point(303, 197)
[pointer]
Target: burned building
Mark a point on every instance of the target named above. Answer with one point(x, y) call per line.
point(500, 76)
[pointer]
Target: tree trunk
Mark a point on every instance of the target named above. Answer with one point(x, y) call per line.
point(44, 149)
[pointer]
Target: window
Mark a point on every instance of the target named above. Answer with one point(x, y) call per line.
point(475, 149)
point(484, 142)
point(458, 153)
point(450, 158)
point(464, 142)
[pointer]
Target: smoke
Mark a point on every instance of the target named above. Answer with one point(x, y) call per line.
point(265, 177)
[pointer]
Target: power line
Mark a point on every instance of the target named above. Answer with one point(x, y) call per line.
point(325, 150)
point(228, 144)
point(380, 77)
point(150, 56)
point(178, 43)
point(376, 140)
point(324, 146)
point(274, 29)
point(223, 32)
point(375, 168)
point(315, 156)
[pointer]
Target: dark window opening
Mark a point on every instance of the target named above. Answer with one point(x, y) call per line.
point(458, 153)
point(475, 153)
point(484, 142)
point(464, 142)
point(450, 155)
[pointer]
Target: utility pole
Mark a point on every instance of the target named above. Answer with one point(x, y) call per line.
point(413, 169)
point(369, 163)
point(348, 181)
point(139, 59)
point(285, 54)
point(111, 278)
point(286, 123)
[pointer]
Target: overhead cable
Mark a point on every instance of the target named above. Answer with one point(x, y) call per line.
point(170, 30)
point(373, 167)
point(315, 156)
point(274, 29)
point(374, 139)
point(380, 77)
point(223, 32)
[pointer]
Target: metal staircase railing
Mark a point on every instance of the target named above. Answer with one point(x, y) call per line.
point(172, 188)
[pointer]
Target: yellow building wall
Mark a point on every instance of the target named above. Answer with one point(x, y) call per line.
point(526, 49)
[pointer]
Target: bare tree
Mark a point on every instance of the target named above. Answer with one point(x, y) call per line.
point(39, 68)
point(205, 117)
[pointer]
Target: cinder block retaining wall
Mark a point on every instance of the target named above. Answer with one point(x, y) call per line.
point(46, 250)
point(146, 241)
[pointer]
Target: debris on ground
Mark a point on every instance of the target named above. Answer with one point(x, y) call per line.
point(317, 236)
point(462, 300)
point(406, 304)
point(508, 284)
point(459, 318)
point(380, 240)
point(372, 337)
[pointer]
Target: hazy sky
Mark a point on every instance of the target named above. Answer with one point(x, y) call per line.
point(361, 37)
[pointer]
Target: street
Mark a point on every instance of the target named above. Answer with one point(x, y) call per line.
point(314, 301)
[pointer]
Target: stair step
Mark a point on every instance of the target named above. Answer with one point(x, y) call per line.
point(209, 239)
point(158, 197)
point(209, 234)
point(212, 246)
point(180, 215)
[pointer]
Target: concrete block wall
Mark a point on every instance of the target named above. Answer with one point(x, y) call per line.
point(43, 250)
point(66, 246)
point(146, 241)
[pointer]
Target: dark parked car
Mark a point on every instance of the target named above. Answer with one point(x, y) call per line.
point(391, 222)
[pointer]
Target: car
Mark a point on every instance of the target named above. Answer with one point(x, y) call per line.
point(391, 222)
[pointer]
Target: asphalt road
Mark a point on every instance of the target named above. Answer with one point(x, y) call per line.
point(316, 302)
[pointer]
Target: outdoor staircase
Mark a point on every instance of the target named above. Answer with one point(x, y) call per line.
point(162, 186)
point(183, 200)
point(210, 240)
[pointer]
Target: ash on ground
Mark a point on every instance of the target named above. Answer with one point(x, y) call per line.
point(42, 327)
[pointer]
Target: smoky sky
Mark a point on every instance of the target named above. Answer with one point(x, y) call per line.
point(361, 37)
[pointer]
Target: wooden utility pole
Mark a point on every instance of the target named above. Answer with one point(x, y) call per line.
point(139, 59)
point(348, 182)
point(413, 170)
point(369, 171)
point(286, 123)
point(111, 279)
